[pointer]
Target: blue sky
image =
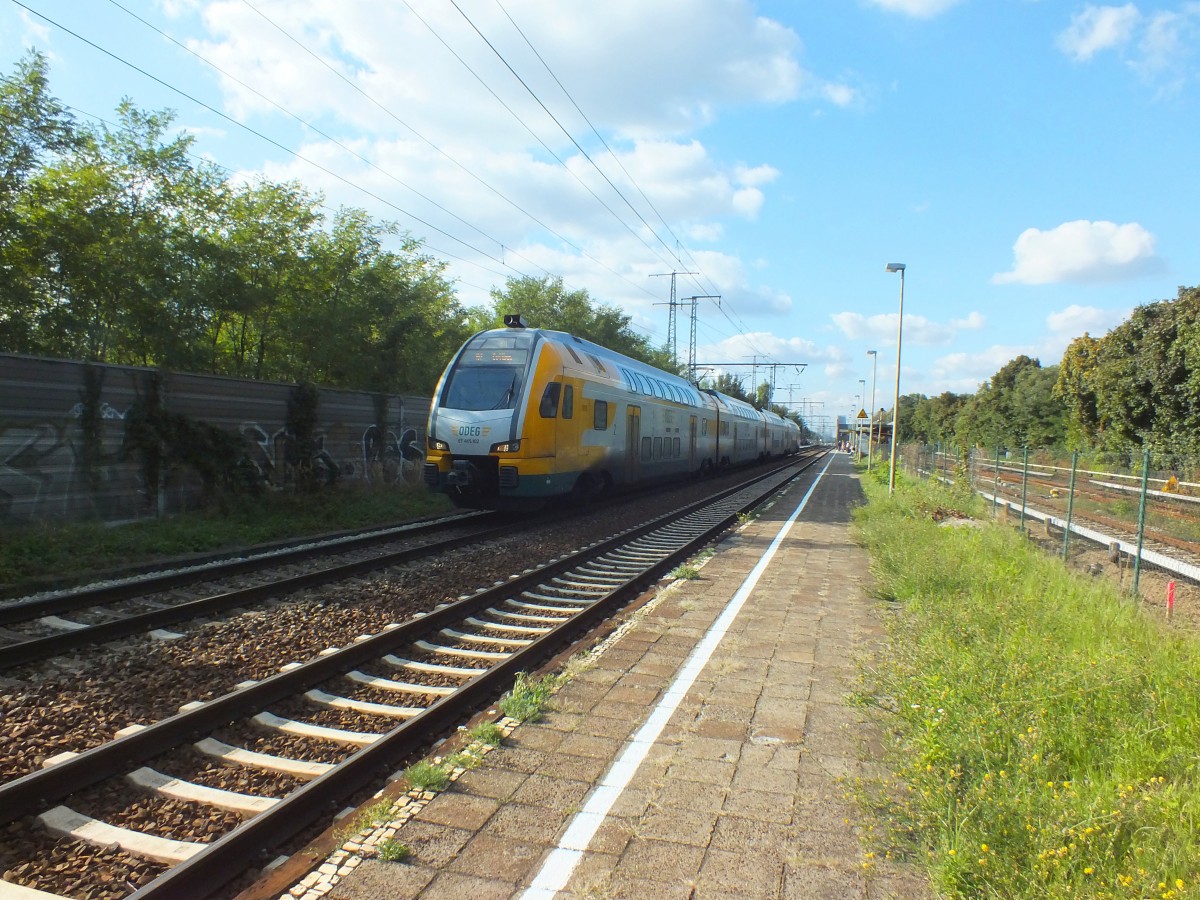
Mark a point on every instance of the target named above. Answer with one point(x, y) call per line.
point(1032, 162)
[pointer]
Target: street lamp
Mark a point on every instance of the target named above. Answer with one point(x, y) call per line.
point(857, 421)
point(896, 267)
point(874, 354)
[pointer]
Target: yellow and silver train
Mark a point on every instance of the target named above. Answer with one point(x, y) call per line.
point(523, 414)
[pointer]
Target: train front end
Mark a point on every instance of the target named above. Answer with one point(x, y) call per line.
point(473, 438)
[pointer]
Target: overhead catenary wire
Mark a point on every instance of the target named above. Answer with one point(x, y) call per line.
point(424, 244)
point(319, 131)
point(595, 131)
point(583, 152)
point(258, 134)
point(532, 133)
point(484, 254)
point(711, 287)
point(504, 197)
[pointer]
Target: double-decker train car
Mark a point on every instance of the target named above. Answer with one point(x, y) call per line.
point(522, 415)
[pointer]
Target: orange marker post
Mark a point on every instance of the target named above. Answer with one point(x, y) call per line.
point(1170, 598)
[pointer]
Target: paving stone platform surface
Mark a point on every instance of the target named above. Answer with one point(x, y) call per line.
point(744, 793)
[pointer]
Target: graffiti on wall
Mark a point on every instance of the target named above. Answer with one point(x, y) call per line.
point(380, 458)
point(43, 474)
point(387, 459)
point(49, 470)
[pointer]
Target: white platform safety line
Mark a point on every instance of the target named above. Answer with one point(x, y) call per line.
point(556, 871)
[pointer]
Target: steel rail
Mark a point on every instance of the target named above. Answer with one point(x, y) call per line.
point(219, 862)
point(36, 649)
point(24, 610)
point(34, 791)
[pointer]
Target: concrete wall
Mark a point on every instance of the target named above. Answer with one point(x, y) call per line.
point(43, 472)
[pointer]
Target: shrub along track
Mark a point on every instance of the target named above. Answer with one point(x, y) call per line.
point(361, 692)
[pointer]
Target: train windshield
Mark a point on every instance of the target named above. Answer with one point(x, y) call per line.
point(489, 373)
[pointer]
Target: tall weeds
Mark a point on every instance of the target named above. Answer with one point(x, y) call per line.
point(1048, 735)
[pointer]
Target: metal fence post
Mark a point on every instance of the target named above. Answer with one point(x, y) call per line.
point(1070, 503)
point(1137, 561)
point(1024, 487)
point(996, 483)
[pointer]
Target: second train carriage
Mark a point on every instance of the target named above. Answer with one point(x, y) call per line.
point(524, 414)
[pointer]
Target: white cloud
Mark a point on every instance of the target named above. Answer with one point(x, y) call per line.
point(920, 9)
point(1073, 321)
point(840, 94)
point(1167, 46)
point(401, 61)
point(917, 329)
point(1067, 324)
point(1159, 47)
point(1098, 28)
point(1081, 252)
point(964, 372)
point(37, 32)
point(471, 153)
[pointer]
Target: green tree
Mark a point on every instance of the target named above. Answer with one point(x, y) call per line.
point(728, 383)
point(106, 220)
point(34, 128)
point(1147, 377)
point(384, 320)
point(546, 303)
point(1077, 390)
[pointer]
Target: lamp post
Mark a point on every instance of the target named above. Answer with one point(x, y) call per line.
point(874, 354)
point(858, 422)
point(896, 267)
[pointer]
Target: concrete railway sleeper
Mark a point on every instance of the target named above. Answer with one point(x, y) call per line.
point(384, 734)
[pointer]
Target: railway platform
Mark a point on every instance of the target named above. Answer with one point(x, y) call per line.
point(707, 752)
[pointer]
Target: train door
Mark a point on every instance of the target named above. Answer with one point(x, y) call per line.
point(692, 462)
point(633, 443)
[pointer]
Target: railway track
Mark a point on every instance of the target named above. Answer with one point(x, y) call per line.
point(379, 699)
point(1046, 497)
point(34, 629)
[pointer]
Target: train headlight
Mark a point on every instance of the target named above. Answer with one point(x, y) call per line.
point(435, 444)
point(506, 447)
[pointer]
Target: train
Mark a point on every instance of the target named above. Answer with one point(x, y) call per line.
point(524, 415)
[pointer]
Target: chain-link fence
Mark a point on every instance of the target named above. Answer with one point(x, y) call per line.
point(1135, 518)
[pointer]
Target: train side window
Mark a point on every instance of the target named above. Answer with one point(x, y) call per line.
point(600, 419)
point(599, 365)
point(549, 407)
point(645, 448)
point(677, 448)
point(568, 405)
point(658, 448)
point(704, 426)
point(574, 355)
point(725, 428)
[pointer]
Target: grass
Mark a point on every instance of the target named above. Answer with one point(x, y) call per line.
point(393, 850)
point(30, 555)
point(486, 733)
point(367, 817)
point(686, 572)
point(529, 697)
point(427, 776)
point(1047, 733)
point(463, 759)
